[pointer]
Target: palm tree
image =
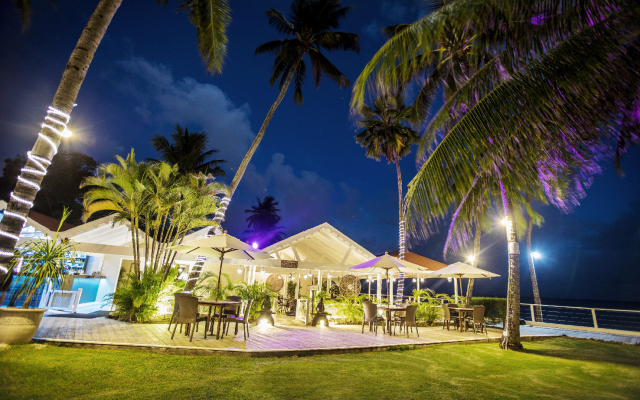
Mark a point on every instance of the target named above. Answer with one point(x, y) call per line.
point(210, 17)
point(310, 25)
point(188, 151)
point(263, 223)
point(386, 133)
point(552, 89)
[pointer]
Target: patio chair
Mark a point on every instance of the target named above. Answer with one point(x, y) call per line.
point(399, 316)
point(371, 316)
point(478, 319)
point(448, 317)
point(244, 320)
point(409, 321)
point(230, 310)
point(188, 314)
point(176, 308)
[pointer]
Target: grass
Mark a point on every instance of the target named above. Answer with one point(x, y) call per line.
point(554, 368)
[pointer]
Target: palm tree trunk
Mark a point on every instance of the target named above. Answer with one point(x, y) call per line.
point(532, 269)
point(401, 209)
point(476, 255)
point(511, 338)
point(197, 268)
point(57, 117)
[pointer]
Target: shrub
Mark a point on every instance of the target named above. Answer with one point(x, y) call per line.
point(495, 308)
point(429, 305)
point(257, 292)
point(136, 300)
point(349, 308)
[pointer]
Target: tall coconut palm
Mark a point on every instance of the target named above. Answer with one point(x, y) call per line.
point(189, 150)
point(310, 25)
point(210, 17)
point(387, 133)
point(263, 223)
point(569, 73)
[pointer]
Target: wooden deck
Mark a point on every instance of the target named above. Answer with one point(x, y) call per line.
point(287, 338)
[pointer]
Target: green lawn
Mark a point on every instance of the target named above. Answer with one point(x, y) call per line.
point(555, 368)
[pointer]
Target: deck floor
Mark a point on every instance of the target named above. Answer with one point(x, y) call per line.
point(287, 337)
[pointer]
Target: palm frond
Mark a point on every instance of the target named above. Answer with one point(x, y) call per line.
point(211, 19)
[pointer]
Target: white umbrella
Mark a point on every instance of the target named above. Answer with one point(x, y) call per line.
point(461, 270)
point(220, 246)
point(388, 262)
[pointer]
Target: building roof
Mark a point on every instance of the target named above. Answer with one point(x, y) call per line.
point(49, 222)
point(422, 261)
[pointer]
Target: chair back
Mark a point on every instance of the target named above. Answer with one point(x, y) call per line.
point(402, 313)
point(447, 312)
point(452, 305)
point(478, 314)
point(232, 309)
point(188, 309)
point(370, 311)
point(410, 317)
point(245, 317)
point(176, 303)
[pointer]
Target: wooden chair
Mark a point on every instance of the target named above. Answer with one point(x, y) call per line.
point(371, 316)
point(244, 321)
point(448, 318)
point(478, 319)
point(188, 314)
point(176, 308)
point(409, 321)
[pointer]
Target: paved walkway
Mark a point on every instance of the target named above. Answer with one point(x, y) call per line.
point(288, 337)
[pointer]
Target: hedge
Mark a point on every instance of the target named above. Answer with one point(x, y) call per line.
point(495, 308)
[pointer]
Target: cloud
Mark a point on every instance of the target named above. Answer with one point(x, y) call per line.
point(165, 99)
point(395, 11)
point(373, 29)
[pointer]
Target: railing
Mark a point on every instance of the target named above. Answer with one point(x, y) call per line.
point(602, 319)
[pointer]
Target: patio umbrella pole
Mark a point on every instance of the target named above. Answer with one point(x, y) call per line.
point(219, 275)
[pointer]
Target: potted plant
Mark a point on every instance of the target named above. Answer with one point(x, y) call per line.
point(36, 262)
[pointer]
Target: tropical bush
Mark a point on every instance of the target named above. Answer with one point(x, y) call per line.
point(207, 286)
point(429, 304)
point(256, 292)
point(43, 262)
point(348, 308)
point(136, 299)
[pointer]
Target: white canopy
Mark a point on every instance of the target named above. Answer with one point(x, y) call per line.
point(461, 270)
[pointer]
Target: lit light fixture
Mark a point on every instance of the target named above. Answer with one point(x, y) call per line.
point(449, 279)
point(310, 274)
point(290, 276)
point(279, 277)
point(505, 221)
point(240, 270)
point(415, 280)
point(66, 133)
point(535, 254)
point(471, 258)
point(262, 271)
point(329, 276)
point(254, 245)
point(421, 279)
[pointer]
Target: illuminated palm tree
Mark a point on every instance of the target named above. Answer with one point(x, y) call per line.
point(210, 17)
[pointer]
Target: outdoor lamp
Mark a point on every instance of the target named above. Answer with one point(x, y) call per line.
point(304, 276)
point(415, 280)
point(471, 258)
point(66, 132)
point(279, 277)
point(262, 271)
point(240, 270)
point(449, 279)
point(254, 245)
point(421, 279)
point(535, 254)
point(329, 276)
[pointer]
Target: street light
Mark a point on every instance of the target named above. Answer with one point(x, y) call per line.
point(471, 259)
point(254, 245)
point(535, 254)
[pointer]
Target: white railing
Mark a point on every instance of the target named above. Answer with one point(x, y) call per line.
point(586, 318)
point(64, 300)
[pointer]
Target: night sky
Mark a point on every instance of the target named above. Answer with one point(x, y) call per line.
point(147, 76)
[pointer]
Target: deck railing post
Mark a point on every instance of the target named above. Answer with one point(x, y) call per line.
point(533, 315)
point(595, 321)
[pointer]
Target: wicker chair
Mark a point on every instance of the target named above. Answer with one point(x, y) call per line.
point(399, 316)
point(409, 320)
point(188, 314)
point(371, 316)
point(244, 321)
point(176, 308)
point(448, 318)
point(478, 319)
point(227, 311)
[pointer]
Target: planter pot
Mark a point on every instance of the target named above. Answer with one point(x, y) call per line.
point(19, 325)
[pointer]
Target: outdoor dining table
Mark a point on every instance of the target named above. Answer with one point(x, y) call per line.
point(461, 312)
point(389, 309)
point(216, 303)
